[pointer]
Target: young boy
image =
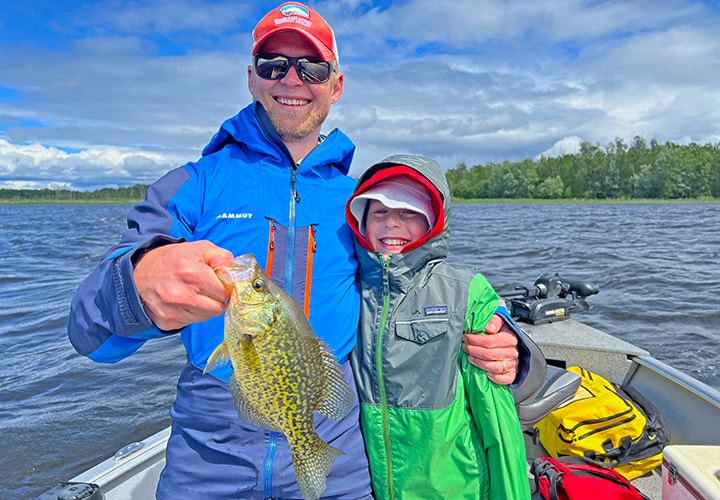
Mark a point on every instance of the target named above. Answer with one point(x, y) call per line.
point(430, 432)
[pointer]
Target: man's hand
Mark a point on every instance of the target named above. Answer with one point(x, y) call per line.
point(495, 353)
point(177, 284)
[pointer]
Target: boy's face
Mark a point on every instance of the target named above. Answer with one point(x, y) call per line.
point(389, 230)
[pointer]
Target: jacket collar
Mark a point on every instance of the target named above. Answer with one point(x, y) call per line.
point(253, 128)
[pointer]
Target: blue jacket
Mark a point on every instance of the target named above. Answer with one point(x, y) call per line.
point(247, 195)
point(230, 196)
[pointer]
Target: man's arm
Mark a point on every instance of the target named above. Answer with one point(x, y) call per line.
point(502, 353)
point(108, 321)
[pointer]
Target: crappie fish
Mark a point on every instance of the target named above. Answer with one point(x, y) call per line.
point(282, 373)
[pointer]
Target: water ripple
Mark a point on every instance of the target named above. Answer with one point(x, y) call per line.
point(656, 266)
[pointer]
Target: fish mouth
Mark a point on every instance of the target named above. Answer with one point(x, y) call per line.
point(239, 269)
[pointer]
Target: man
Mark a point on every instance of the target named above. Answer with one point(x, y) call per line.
point(269, 184)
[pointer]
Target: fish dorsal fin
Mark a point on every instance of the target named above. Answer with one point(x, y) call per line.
point(247, 412)
point(337, 399)
point(219, 357)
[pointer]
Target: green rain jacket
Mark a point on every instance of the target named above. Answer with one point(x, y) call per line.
point(435, 427)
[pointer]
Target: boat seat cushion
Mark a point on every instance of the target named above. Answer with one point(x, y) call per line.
point(560, 386)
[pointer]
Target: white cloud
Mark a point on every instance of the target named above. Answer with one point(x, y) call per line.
point(481, 82)
point(565, 146)
point(35, 185)
point(37, 165)
point(499, 23)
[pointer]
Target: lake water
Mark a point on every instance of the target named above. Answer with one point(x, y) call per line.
point(656, 266)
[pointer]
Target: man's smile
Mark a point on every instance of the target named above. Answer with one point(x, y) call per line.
point(292, 102)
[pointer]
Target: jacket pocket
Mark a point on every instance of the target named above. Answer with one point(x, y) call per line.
point(421, 331)
point(421, 364)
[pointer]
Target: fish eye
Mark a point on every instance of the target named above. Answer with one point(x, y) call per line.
point(259, 285)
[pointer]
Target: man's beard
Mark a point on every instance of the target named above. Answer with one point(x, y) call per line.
point(291, 127)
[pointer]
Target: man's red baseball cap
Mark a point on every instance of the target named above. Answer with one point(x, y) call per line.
point(297, 17)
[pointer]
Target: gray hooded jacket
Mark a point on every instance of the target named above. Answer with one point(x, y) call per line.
point(433, 424)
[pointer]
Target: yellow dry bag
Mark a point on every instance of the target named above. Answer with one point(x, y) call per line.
point(608, 424)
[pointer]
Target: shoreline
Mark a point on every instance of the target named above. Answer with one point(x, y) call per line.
point(587, 201)
point(459, 201)
point(40, 201)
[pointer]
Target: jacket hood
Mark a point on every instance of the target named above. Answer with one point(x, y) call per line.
point(435, 245)
point(252, 127)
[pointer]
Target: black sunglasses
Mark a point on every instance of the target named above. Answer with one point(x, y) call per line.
point(276, 66)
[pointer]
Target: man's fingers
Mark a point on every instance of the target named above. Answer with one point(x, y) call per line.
point(502, 374)
point(491, 355)
point(496, 341)
point(213, 254)
point(504, 379)
point(505, 365)
point(495, 366)
point(178, 286)
point(180, 315)
point(207, 284)
point(496, 353)
point(494, 325)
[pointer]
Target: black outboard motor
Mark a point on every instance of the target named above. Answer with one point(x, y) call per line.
point(546, 387)
point(550, 299)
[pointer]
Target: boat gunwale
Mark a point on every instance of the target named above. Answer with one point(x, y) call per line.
point(692, 384)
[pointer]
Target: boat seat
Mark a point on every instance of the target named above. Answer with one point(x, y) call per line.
point(545, 388)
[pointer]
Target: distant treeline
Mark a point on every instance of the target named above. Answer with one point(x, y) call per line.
point(136, 192)
point(665, 171)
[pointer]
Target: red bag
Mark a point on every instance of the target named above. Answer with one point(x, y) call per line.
point(579, 478)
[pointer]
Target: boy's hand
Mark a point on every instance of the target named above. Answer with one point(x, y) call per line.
point(496, 353)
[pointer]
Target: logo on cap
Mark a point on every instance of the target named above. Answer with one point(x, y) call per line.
point(295, 10)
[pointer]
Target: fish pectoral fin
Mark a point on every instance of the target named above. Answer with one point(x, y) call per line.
point(338, 398)
point(247, 411)
point(219, 357)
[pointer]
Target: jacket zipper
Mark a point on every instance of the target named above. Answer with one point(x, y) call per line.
point(294, 198)
point(381, 381)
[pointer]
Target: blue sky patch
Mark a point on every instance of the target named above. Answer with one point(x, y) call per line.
point(9, 93)
point(145, 84)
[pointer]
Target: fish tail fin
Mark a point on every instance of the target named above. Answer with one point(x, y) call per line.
point(313, 467)
point(219, 357)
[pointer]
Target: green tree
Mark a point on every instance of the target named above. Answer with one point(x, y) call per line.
point(468, 183)
point(550, 188)
point(616, 171)
point(648, 182)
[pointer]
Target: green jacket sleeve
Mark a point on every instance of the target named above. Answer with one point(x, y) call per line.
point(493, 408)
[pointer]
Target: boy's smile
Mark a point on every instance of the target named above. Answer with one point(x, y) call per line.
point(389, 230)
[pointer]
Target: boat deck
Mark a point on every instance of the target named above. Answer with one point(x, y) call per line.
point(691, 408)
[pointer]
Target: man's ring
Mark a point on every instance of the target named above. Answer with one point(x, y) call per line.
point(504, 368)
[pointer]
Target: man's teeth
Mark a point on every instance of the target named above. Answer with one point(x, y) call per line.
point(291, 102)
point(393, 243)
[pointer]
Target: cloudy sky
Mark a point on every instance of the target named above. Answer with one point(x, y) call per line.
point(111, 92)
